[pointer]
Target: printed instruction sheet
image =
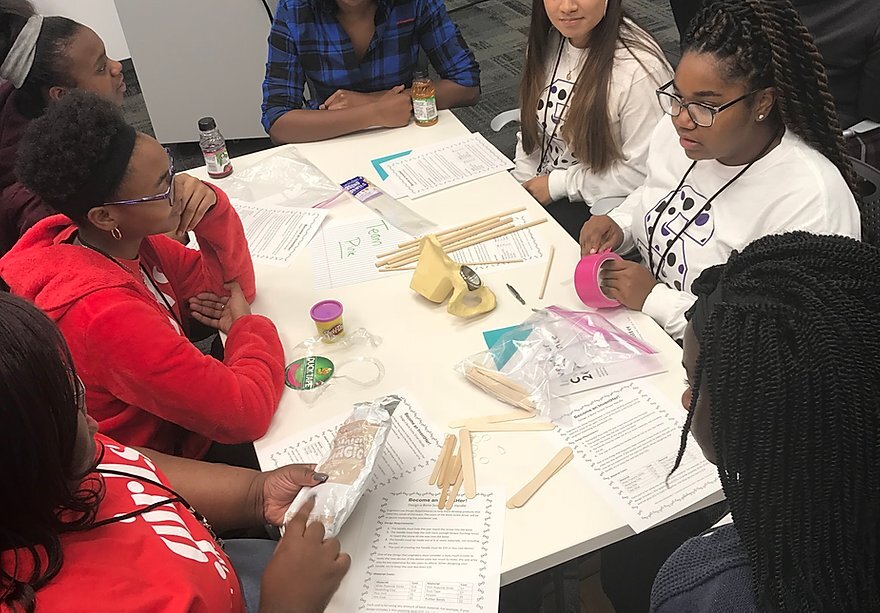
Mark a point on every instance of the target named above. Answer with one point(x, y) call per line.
point(410, 556)
point(275, 234)
point(628, 437)
point(453, 162)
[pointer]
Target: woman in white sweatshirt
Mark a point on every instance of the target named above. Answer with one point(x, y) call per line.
point(752, 148)
point(588, 109)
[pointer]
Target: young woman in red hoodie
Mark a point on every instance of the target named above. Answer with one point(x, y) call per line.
point(41, 59)
point(121, 291)
point(88, 524)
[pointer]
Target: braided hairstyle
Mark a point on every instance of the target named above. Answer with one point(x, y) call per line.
point(764, 43)
point(790, 357)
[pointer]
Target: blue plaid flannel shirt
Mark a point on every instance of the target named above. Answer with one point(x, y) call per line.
point(307, 44)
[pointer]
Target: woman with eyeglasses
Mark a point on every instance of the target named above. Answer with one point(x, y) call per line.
point(752, 148)
point(122, 292)
point(41, 59)
point(88, 524)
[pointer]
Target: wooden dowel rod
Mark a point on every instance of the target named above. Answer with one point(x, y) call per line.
point(486, 263)
point(547, 273)
point(415, 252)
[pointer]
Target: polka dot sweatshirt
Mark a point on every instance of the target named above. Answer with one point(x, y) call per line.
point(633, 111)
point(793, 187)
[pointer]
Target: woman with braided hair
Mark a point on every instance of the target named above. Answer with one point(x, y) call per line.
point(753, 148)
point(782, 355)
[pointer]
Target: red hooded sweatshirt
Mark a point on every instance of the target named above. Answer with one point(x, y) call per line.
point(146, 383)
point(19, 207)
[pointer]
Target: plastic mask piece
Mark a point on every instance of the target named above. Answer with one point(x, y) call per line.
point(437, 276)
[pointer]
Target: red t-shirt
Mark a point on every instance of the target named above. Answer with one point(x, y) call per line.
point(164, 560)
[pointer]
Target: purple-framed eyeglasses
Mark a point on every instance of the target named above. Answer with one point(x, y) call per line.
point(168, 194)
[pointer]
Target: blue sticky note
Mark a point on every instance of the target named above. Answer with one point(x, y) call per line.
point(377, 163)
point(502, 352)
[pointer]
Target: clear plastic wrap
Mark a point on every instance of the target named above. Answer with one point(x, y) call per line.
point(348, 361)
point(286, 178)
point(555, 353)
point(349, 464)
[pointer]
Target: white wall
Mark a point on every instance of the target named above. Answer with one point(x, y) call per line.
point(99, 15)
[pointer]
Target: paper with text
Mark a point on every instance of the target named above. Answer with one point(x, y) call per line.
point(412, 446)
point(412, 556)
point(274, 233)
point(628, 437)
point(451, 163)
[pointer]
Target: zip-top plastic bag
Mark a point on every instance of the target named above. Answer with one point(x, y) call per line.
point(555, 353)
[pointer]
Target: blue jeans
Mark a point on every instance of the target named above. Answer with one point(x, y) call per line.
point(249, 558)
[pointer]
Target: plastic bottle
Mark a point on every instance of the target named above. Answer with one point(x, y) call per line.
point(423, 96)
point(214, 149)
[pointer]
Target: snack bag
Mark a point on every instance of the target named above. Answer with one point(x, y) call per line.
point(357, 446)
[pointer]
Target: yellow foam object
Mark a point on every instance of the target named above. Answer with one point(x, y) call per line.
point(437, 276)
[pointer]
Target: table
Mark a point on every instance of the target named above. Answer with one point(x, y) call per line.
point(422, 343)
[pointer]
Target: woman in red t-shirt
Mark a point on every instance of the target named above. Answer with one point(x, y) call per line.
point(88, 524)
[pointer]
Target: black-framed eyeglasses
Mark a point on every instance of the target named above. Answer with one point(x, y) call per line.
point(168, 194)
point(700, 113)
point(79, 391)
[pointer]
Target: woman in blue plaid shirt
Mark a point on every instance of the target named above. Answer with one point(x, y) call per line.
point(357, 57)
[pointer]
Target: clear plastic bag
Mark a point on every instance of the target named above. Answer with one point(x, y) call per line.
point(320, 366)
point(556, 353)
point(286, 178)
point(386, 207)
point(349, 464)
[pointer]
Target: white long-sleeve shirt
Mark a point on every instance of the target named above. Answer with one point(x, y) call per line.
point(633, 111)
point(793, 187)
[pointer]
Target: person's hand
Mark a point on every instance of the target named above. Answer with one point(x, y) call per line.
point(627, 282)
point(600, 233)
point(346, 99)
point(305, 570)
point(275, 490)
point(539, 188)
point(394, 108)
point(194, 199)
point(220, 312)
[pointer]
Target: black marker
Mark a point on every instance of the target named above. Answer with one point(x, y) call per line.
point(515, 293)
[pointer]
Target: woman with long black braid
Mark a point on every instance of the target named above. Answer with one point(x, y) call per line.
point(753, 148)
point(783, 361)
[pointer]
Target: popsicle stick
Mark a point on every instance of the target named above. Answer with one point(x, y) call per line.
point(467, 462)
point(469, 224)
point(442, 459)
point(456, 488)
point(449, 479)
point(553, 466)
point(493, 419)
point(533, 426)
point(547, 272)
point(480, 239)
point(486, 263)
point(501, 378)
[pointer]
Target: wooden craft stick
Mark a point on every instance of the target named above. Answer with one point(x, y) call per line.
point(547, 273)
point(481, 239)
point(500, 378)
point(467, 462)
point(499, 386)
point(441, 459)
point(447, 243)
point(493, 419)
point(553, 466)
point(486, 263)
point(469, 224)
point(449, 479)
point(456, 488)
point(531, 426)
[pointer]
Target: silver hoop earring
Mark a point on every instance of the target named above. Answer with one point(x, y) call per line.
point(116, 233)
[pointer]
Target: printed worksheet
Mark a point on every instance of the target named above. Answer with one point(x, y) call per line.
point(454, 162)
point(411, 556)
point(412, 446)
point(628, 436)
point(275, 234)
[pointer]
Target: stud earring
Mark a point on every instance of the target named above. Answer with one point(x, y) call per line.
point(761, 117)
